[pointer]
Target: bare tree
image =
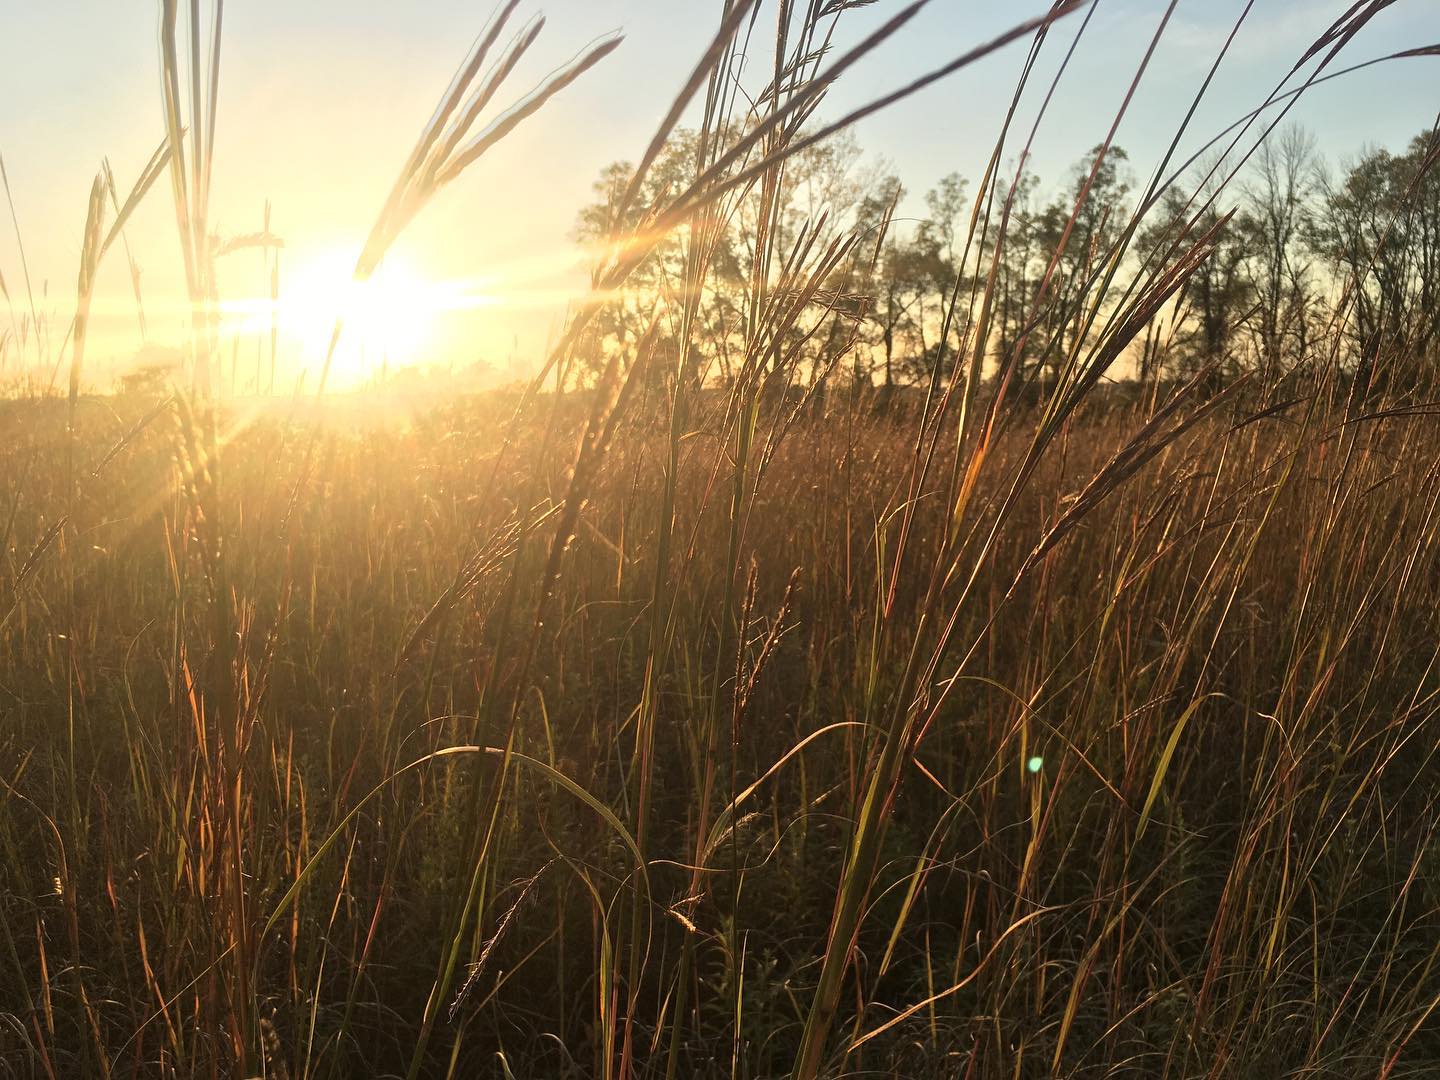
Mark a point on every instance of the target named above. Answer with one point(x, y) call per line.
point(1278, 203)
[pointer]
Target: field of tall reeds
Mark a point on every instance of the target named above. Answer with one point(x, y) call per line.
point(1029, 720)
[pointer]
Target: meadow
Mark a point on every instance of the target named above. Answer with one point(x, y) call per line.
point(709, 706)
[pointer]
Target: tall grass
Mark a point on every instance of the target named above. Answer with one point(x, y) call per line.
point(1021, 725)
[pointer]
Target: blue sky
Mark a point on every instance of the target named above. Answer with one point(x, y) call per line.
point(321, 99)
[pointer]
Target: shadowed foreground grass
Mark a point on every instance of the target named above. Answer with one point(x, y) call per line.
point(1175, 816)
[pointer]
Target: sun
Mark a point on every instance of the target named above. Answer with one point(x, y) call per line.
point(399, 318)
point(388, 321)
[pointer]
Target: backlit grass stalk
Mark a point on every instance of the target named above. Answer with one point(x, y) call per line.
point(447, 147)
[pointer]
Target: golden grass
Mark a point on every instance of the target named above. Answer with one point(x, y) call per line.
point(1013, 725)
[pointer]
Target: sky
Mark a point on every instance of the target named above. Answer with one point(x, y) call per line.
point(320, 101)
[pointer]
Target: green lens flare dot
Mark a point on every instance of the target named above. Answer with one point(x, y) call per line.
point(1035, 764)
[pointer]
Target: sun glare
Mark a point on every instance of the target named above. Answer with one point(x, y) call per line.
point(391, 321)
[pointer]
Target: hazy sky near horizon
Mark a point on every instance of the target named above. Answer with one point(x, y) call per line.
point(320, 100)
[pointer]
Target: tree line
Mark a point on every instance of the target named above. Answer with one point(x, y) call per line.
point(1312, 263)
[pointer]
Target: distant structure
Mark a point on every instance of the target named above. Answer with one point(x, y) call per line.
point(152, 367)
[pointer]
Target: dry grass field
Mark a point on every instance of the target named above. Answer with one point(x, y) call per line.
point(1025, 720)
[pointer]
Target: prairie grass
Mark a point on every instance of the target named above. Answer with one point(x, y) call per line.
point(1225, 859)
point(643, 724)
